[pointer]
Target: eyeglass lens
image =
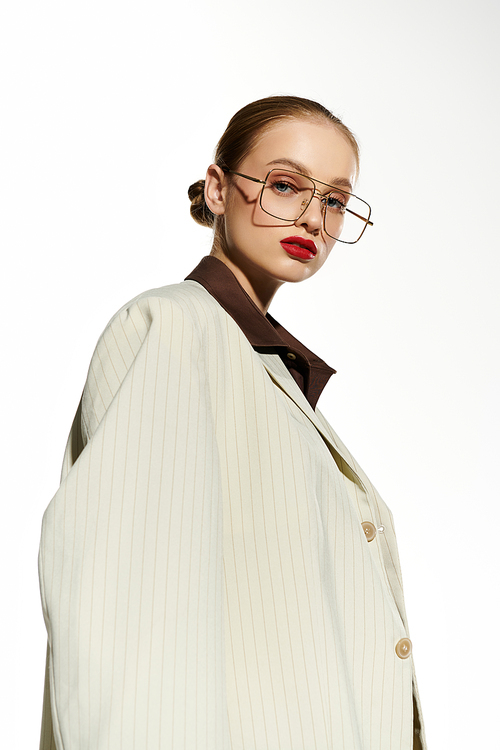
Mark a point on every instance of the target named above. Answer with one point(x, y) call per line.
point(286, 195)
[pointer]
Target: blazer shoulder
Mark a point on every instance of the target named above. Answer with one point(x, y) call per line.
point(188, 300)
point(171, 318)
point(184, 295)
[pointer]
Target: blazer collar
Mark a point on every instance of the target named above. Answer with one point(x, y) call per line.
point(262, 331)
point(282, 378)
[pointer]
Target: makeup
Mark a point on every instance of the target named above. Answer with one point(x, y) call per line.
point(299, 247)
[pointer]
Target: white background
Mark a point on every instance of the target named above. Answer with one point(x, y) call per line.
point(110, 110)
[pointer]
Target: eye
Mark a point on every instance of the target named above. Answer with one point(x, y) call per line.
point(335, 202)
point(283, 187)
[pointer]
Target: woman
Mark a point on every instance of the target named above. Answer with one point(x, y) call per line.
point(216, 570)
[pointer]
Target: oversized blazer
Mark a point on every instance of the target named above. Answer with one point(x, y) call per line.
point(206, 573)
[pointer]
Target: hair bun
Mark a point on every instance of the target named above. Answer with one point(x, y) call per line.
point(199, 209)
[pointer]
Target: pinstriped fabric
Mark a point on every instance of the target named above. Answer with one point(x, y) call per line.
point(205, 578)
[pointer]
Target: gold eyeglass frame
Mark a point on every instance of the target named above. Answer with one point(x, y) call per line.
point(316, 194)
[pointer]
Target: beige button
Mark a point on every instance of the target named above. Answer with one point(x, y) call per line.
point(291, 355)
point(403, 648)
point(370, 530)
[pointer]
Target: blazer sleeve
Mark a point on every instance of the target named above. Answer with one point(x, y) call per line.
point(131, 550)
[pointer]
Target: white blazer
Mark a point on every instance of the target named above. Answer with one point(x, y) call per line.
point(206, 573)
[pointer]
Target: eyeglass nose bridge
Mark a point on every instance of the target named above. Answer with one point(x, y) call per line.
point(315, 194)
point(307, 202)
point(323, 199)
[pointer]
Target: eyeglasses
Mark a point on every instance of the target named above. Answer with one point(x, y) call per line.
point(286, 195)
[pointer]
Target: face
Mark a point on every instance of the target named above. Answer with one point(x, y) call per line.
point(264, 252)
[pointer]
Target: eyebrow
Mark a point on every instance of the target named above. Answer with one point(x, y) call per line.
point(298, 167)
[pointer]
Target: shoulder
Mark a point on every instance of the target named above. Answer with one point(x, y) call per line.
point(179, 315)
point(188, 299)
point(187, 302)
point(183, 294)
point(154, 330)
point(185, 297)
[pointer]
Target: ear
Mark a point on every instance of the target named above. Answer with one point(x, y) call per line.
point(215, 190)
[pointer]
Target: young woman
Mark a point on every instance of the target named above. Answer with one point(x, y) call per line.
point(217, 572)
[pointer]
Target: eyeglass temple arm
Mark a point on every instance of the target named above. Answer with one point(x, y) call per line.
point(367, 221)
point(254, 179)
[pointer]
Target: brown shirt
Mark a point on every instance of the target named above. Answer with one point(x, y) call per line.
point(263, 332)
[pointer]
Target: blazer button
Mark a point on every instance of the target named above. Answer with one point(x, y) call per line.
point(403, 648)
point(370, 530)
point(291, 355)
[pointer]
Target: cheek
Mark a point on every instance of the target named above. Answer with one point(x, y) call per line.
point(241, 210)
point(248, 219)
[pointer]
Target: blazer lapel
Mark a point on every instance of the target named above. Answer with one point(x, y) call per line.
point(283, 379)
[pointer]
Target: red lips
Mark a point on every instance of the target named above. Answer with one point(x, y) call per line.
point(299, 247)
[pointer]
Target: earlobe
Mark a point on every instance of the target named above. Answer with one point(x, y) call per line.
point(215, 190)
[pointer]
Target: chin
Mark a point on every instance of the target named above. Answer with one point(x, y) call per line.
point(297, 274)
point(298, 270)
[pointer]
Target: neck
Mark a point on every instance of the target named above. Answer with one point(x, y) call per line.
point(260, 290)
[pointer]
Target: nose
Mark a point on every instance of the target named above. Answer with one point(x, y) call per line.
point(312, 218)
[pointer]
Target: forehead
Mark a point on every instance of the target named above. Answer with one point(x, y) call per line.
point(317, 147)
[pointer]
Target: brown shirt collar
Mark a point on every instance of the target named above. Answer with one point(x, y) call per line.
point(309, 371)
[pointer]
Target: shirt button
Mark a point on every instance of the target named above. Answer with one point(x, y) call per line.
point(291, 355)
point(370, 530)
point(403, 648)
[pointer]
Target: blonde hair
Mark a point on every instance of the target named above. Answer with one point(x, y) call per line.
point(241, 135)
